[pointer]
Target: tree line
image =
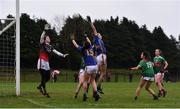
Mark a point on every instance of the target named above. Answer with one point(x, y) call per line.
point(124, 39)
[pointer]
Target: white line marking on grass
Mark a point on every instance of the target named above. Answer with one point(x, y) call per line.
point(38, 104)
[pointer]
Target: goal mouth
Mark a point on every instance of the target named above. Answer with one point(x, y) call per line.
point(7, 56)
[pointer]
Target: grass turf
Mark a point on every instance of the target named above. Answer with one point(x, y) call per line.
point(117, 95)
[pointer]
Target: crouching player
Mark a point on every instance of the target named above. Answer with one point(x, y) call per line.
point(147, 75)
point(90, 67)
point(43, 61)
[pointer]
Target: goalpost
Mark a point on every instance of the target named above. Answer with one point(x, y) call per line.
point(10, 54)
point(17, 48)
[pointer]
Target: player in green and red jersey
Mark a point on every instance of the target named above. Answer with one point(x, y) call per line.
point(160, 65)
point(147, 75)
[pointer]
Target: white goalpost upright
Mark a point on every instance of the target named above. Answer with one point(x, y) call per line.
point(17, 48)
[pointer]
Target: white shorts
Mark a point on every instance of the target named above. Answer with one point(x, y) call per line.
point(159, 77)
point(42, 64)
point(91, 69)
point(81, 73)
point(148, 78)
point(100, 59)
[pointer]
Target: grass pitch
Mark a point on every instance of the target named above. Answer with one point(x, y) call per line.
point(117, 95)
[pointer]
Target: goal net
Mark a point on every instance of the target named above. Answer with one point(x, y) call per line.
point(10, 54)
point(7, 56)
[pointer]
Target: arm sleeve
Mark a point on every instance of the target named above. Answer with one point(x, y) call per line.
point(140, 64)
point(58, 53)
point(163, 60)
point(49, 48)
point(79, 48)
point(42, 37)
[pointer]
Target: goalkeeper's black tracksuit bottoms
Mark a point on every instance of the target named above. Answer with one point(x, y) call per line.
point(45, 76)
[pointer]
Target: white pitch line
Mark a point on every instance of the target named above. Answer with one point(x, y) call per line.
point(38, 104)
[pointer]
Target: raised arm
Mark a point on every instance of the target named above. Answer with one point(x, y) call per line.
point(92, 25)
point(73, 41)
point(75, 44)
point(94, 29)
point(87, 39)
point(46, 27)
point(135, 68)
point(42, 37)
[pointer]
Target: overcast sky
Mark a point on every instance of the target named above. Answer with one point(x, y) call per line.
point(164, 13)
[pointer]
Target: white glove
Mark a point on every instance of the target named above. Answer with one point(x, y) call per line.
point(46, 27)
point(65, 55)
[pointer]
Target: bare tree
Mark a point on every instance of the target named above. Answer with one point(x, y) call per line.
point(58, 23)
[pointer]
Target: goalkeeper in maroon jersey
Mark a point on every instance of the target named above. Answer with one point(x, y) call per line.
point(43, 61)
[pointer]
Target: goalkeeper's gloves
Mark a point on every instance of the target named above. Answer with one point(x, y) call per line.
point(46, 27)
point(65, 55)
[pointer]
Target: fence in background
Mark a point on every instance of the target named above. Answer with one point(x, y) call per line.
point(32, 75)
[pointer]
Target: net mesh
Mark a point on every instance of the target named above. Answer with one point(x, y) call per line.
point(7, 58)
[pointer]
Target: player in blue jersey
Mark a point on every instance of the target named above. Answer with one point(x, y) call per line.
point(90, 66)
point(100, 52)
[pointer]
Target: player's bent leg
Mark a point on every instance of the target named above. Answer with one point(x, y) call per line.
point(95, 92)
point(78, 89)
point(140, 86)
point(89, 81)
point(158, 83)
point(40, 85)
point(47, 78)
point(147, 87)
point(164, 92)
point(102, 69)
point(86, 78)
point(81, 81)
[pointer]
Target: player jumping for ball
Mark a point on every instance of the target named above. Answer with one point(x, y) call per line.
point(90, 67)
point(147, 75)
point(160, 65)
point(43, 61)
point(100, 51)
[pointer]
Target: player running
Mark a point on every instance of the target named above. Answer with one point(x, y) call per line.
point(43, 61)
point(160, 65)
point(100, 52)
point(147, 75)
point(90, 67)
